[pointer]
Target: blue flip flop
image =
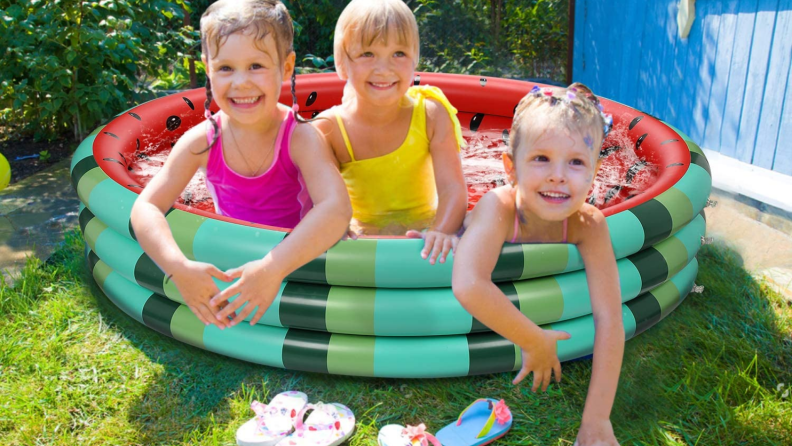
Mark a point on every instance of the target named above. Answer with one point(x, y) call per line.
point(483, 422)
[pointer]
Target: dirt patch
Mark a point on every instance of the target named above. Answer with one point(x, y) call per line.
point(24, 155)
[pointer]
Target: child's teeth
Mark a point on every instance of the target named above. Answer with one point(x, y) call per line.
point(554, 195)
point(245, 101)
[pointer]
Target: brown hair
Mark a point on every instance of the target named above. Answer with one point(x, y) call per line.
point(257, 17)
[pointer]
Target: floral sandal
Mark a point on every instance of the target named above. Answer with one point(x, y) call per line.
point(273, 421)
point(483, 422)
point(398, 435)
point(327, 425)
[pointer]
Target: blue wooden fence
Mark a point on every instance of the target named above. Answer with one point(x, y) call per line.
point(728, 85)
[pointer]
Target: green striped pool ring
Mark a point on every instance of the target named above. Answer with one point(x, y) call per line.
point(388, 263)
point(410, 312)
point(396, 357)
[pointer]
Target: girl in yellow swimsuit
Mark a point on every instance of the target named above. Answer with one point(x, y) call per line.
point(397, 145)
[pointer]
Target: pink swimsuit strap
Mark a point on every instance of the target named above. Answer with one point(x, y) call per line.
point(517, 227)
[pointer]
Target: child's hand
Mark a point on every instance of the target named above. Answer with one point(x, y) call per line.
point(438, 242)
point(194, 282)
point(257, 286)
point(542, 360)
point(596, 433)
point(350, 234)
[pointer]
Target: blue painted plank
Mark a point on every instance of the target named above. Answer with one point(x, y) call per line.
point(756, 80)
point(612, 51)
point(670, 35)
point(579, 49)
point(651, 58)
point(598, 42)
point(783, 156)
point(737, 77)
point(773, 102)
point(720, 81)
point(674, 114)
point(690, 87)
point(710, 14)
point(631, 52)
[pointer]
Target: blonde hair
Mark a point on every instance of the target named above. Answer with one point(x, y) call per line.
point(573, 108)
point(257, 17)
point(364, 21)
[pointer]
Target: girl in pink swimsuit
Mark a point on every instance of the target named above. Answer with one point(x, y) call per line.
point(261, 166)
point(551, 163)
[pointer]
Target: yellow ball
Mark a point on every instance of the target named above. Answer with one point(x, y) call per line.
point(5, 172)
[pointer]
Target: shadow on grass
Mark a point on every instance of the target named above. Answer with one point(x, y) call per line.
point(705, 375)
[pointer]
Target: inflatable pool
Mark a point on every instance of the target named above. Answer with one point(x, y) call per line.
point(371, 306)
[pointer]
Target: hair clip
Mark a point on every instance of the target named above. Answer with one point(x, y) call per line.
point(608, 123)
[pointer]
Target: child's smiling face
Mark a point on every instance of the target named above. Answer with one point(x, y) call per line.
point(554, 173)
point(246, 76)
point(381, 72)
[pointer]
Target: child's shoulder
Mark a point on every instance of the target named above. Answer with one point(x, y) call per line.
point(500, 199)
point(587, 222)
point(195, 139)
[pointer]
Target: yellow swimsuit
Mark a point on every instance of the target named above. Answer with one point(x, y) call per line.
point(399, 187)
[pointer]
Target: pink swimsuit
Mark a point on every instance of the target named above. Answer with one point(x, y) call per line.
point(277, 197)
point(517, 227)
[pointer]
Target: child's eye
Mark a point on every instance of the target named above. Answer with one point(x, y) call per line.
point(578, 162)
point(399, 54)
point(256, 66)
point(541, 158)
point(367, 54)
point(224, 68)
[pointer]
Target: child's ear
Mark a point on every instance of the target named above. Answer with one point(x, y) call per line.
point(288, 65)
point(508, 166)
point(205, 64)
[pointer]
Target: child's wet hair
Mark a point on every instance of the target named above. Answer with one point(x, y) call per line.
point(575, 108)
point(365, 21)
point(258, 18)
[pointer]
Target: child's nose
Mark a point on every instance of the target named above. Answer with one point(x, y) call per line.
point(557, 175)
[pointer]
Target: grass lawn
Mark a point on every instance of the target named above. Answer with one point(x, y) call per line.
point(74, 369)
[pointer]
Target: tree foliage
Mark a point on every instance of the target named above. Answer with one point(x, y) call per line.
point(66, 65)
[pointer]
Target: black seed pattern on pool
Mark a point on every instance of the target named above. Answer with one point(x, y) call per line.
point(311, 99)
point(135, 116)
point(475, 122)
point(635, 122)
point(173, 123)
point(189, 102)
point(640, 141)
point(110, 134)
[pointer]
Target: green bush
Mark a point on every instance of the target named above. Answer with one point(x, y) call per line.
point(67, 65)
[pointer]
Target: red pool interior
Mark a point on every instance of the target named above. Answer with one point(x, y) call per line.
point(645, 157)
point(622, 176)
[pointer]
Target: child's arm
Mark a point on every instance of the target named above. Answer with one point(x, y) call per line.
point(451, 191)
point(474, 261)
point(192, 279)
point(594, 244)
point(323, 226)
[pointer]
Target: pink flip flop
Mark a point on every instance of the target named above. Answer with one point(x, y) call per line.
point(398, 435)
point(327, 425)
point(273, 421)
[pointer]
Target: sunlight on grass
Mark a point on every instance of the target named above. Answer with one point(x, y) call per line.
point(75, 369)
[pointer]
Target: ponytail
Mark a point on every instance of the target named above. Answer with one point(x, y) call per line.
point(208, 115)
